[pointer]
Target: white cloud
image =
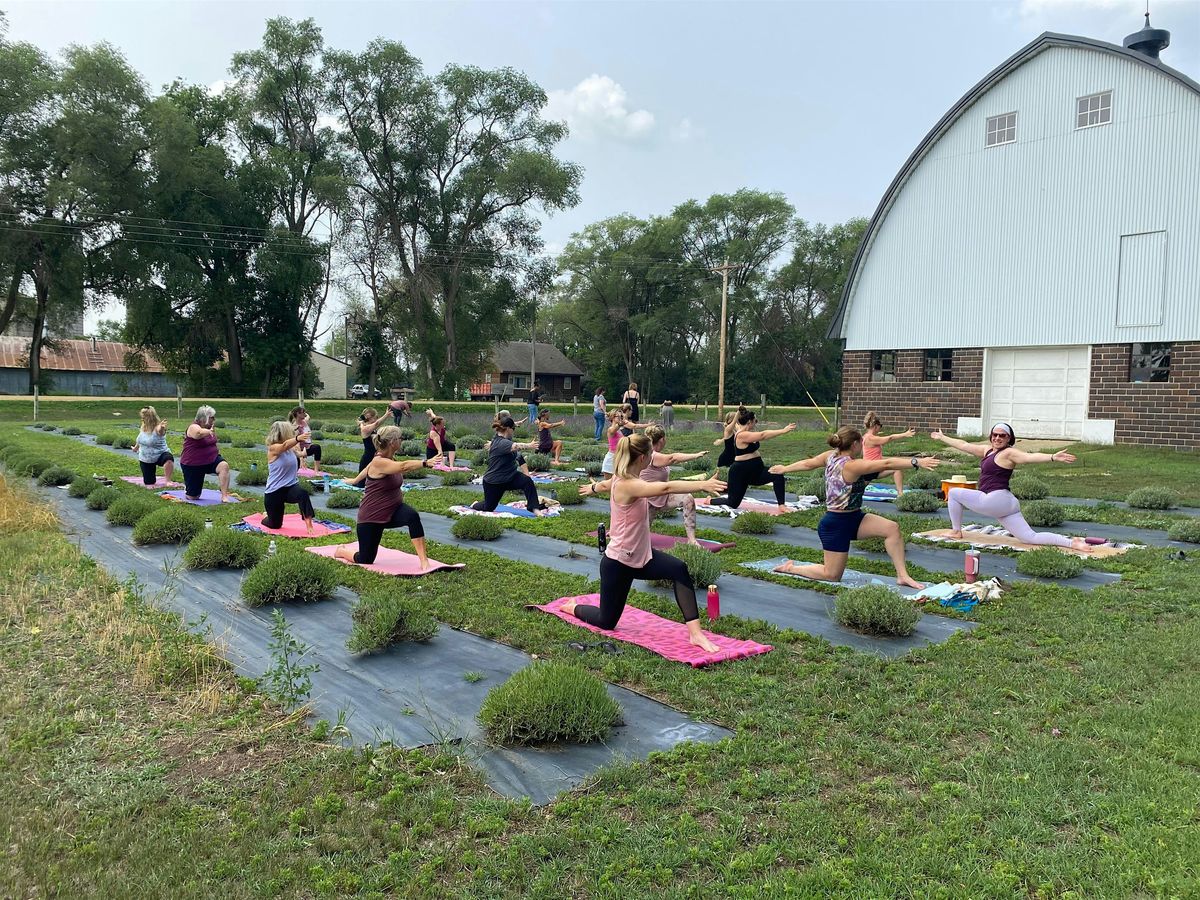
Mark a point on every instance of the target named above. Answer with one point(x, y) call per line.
point(597, 107)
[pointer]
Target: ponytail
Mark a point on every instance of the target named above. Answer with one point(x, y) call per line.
point(870, 420)
point(630, 450)
point(845, 438)
point(745, 416)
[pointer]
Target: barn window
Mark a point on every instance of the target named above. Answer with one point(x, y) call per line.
point(566, 382)
point(518, 382)
point(883, 365)
point(939, 365)
point(1150, 362)
point(1094, 109)
point(1001, 129)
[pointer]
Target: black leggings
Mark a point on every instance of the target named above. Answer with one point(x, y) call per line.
point(371, 533)
point(494, 493)
point(313, 450)
point(447, 447)
point(150, 470)
point(745, 473)
point(616, 579)
point(275, 500)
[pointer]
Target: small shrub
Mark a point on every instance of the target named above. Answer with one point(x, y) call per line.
point(219, 423)
point(812, 486)
point(454, 479)
point(703, 566)
point(1046, 562)
point(332, 456)
point(594, 469)
point(245, 445)
point(334, 428)
point(19, 463)
point(343, 499)
point(382, 619)
point(587, 453)
point(223, 548)
point(82, 486)
point(249, 477)
point(315, 424)
point(479, 460)
point(1152, 498)
point(700, 464)
point(113, 439)
point(470, 442)
point(871, 545)
point(918, 502)
point(290, 577)
point(34, 466)
point(753, 523)
point(875, 609)
point(1028, 487)
point(72, 431)
point(538, 462)
point(316, 435)
point(922, 480)
point(39, 425)
point(1186, 530)
point(169, 525)
point(413, 448)
point(568, 494)
point(49, 428)
point(102, 497)
point(131, 509)
point(55, 475)
point(224, 439)
point(549, 702)
point(1043, 513)
point(477, 528)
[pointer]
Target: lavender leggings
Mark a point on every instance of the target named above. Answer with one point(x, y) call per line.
point(1003, 506)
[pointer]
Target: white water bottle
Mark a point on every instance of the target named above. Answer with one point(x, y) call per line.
point(271, 548)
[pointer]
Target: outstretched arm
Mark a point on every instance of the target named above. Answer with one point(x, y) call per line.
point(635, 487)
point(858, 467)
point(802, 465)
point(1019, 457)
point(979, 450)
point(753, 436)
point(393, 466)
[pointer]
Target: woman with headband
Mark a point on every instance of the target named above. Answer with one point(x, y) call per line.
point(997, 460)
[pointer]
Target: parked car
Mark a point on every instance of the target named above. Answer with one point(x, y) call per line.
point(362, 391)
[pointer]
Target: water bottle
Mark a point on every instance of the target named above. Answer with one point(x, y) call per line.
point(601, 538)
point(271, 548)
point(713, 605)
point(253, 467)
point(971, 565)
point(328, 487)
point(208, 523)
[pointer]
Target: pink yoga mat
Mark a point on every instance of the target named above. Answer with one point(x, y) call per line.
point(306, 472)
point(388, 562)
point(659, 635)
point(749, 505)
point(442, 467)
point(159, 484)
point(293, 526)
point(667, 541)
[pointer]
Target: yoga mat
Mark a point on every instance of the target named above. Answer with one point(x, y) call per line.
point(550, 478)
point(879, 493)
point(658, 635)
point(306, 472)
point(749, 504)
point(506, 511)
point(667, 541)
point(208, 497)
point(986, 540)
point(388, 562)
point(337, 484)
point(159, 482)
point(850, 578)
point(293, 526)
point(442, 467)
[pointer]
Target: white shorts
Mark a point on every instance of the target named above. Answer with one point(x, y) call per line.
point(606, 467)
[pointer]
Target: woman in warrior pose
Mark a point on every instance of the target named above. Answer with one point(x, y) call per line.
point(201, 457)
point(657, 469)
point(873, 444)
point(284, 455)
point(151, 447)
point(436, 443)
point(747, 468)
point(502, 474)
point(299, 419)
point(629, 554)
point(546, 442)
point(367, 423)
point(383, 503)
point(846, 478)
point(997, 460)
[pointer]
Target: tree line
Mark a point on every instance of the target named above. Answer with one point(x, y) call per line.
point(232, 222)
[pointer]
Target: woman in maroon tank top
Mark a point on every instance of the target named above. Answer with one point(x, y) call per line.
point(998, 457)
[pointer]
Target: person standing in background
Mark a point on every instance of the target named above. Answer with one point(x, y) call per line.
point(535, 400)
point(666, 416)
point(599, 411)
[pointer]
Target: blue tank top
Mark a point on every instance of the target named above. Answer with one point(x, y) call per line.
point(282, 472)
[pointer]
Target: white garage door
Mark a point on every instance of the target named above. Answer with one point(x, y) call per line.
point(1041, 392)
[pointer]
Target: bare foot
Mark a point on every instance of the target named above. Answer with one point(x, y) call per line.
point(699, 640)
point(905, 581)
point(783, 508)
point(424, 565)
point(308, 527)
point(343, 552)
point(694, 542)
point(569, 607)
point(1081, 545)
point(787, 568)
point(956, 535)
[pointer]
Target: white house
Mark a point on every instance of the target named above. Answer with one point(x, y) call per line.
point(1037, 258)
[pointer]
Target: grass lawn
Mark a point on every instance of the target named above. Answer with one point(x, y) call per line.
point(1051, 752)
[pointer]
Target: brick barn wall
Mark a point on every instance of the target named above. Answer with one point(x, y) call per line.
point(1163, 414)
point(910, 400)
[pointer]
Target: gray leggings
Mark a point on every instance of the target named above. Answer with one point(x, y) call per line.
point(1001, 505)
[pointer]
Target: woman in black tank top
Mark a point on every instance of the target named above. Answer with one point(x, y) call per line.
point(749, 469)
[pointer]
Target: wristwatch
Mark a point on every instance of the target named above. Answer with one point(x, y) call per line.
point(915, 463)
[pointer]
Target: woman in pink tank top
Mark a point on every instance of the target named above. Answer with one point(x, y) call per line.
point(873, 443)
point(629, 554)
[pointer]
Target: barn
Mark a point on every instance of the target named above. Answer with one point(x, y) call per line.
point(1037, 258)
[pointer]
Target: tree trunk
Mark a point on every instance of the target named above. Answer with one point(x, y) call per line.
point(295, 373)
point(234, 348)
point(372, 375)
point(10, 302)
point(42, 290)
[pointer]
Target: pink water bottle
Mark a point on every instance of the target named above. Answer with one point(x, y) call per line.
point(714, 602)
point(971, 565)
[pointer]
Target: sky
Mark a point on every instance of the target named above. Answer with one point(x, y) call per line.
point(666, 101)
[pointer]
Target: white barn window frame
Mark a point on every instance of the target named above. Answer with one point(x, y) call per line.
point(883, 365)
point(1093, 110)
point(1002, 129)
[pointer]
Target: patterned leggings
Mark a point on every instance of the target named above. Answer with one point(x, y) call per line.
point(675, 501)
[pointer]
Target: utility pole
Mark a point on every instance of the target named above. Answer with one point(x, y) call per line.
point(533, 348)
point(724, 270)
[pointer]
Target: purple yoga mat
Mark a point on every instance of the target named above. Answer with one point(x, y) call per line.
point(208, 497)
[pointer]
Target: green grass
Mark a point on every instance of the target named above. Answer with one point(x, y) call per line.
point(1052, 750)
